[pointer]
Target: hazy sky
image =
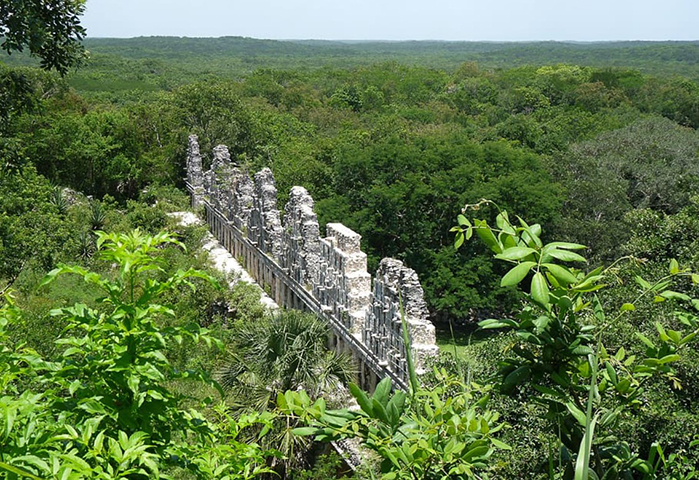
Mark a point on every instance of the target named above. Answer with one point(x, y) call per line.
point(398, 19)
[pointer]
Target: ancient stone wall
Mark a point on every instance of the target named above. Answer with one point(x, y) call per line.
point(344, 284)
point(397, 287)
point(302, 270)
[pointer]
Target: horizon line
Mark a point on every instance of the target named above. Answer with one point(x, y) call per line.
point(376, 40)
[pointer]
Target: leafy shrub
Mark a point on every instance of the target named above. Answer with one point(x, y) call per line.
point(104, 409)
point(587, 387)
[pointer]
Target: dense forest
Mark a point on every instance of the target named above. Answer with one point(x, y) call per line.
point(595, 145)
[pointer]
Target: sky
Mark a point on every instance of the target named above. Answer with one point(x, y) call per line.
point(483, 20)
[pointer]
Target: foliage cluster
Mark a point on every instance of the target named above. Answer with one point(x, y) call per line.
point(441, 433)
point(104, 407)
point(286, 351)
point(50, 30)
point(565, 359)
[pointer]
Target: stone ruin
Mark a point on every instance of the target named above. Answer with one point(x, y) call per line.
point(195, 174)
point(287, 254)
point(397, 290)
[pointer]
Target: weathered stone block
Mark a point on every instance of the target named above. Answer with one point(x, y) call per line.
point(346, 239)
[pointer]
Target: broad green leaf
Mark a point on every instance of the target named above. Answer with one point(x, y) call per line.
point(474, 453)
point(669, 294)
point(582, 464)
point(620, 354)
point(33, 460)
point(382, 391)
point(661, 286)
point(540, 289)
point(362, 399)
point(643, 283)
point(515, 253)
point(562, 381)
point(674, 336)
point(661, 332)
point(669, 358)
point(627, 307)
point(577, 413)
point(542, 323)
point(561, 273)
point(529, 337)
point(73, 387)
point(582, 350)
point(396, 406)
point(645, 340)
point(566, 245)
point(584, 369)
point(495, 323)
point(623, 385)
point(688, 338)
point(507, 240)
point(486, 235)
point(611, 373)
point(674, 267)
point(501, 220)
point(585, 284)
point(320, 405)
point(598, 309)
point(516, 274)
point(610, 417)
point(305, 431)
point(530, 238)
point(18, 471)
point(515, 377)
point(567, 256)
point(50, 277)
point(458, 240)
point(641, 466)
point(449, 447)
point(549, 391)
point(590, 289)
point(380, 411)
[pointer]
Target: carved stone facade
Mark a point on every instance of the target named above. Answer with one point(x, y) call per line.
point(397, 287)
point(344, 285)
point(301, 250)
point(265, 227)
point(302, 270)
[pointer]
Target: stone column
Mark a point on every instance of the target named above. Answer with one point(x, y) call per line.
point(222, 158)
point(195, 175)
point(344, 285)
point(265, 214)
point(396, 285)
point(301, 244)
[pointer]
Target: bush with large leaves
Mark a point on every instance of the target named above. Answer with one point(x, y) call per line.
point(106, 408)
point(585, 386)
point(443, 432)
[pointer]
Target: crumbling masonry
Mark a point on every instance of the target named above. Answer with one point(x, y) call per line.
point(302, 270)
